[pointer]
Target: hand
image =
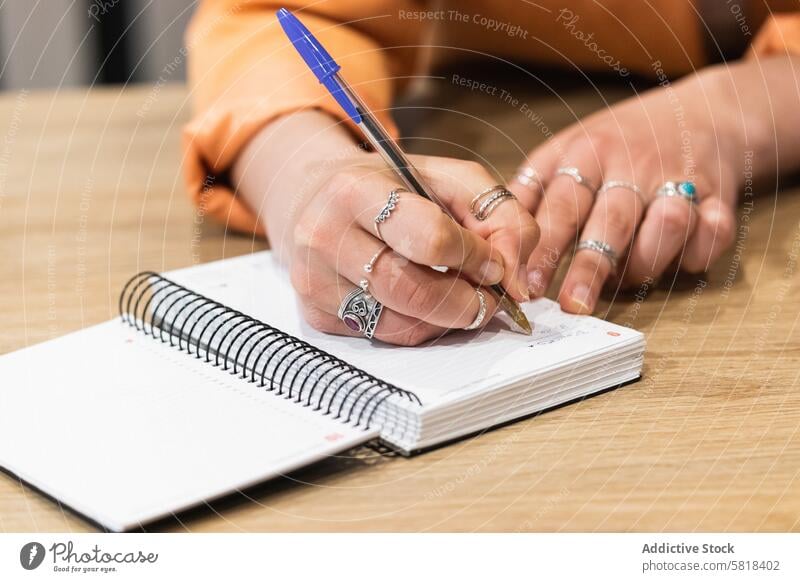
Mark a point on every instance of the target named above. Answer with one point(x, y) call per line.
point(683, 132)
point(335, 236)
point(320, 218)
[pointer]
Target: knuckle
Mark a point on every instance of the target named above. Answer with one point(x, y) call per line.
point(675, 217)
point(344, 181)
point(620, 219)
point(600, 140)
point(471, 167)
point(563, 211)
point(420, 297)
point(302, 281)
point(724, 225)
point(317, 319)
point(437, 242)
point(312, 234)
point(302, 234)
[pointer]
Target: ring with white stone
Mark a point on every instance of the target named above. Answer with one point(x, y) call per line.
point(685, 190)
point(576, 175)
point(481, 311)
point(527, 176)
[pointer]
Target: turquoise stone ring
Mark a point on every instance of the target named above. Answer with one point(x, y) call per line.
point(684, 189)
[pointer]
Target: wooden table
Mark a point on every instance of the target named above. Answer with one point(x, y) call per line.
point(90, 192)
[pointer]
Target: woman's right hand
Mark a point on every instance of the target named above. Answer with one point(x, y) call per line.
point(331, 236)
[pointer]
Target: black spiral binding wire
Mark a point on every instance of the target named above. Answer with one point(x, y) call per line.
point(256, 352)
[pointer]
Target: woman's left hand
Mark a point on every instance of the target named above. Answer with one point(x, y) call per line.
point(681, 132)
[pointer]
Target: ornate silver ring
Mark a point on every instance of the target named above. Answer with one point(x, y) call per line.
point(360, 312)
point(386, 211)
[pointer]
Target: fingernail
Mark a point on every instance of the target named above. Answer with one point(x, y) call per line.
point(491, 272)
point(582, 295)
point(536, 283)
point(522, 282)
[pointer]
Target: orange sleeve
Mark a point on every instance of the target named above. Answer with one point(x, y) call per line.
point(780, 35)
point(243, 73)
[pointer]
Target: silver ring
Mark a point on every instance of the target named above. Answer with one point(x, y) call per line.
point(481, 311)
point(360, 312)
point(386, 211)
point(371, 264)
point(601, 247)
point(528, 176)
point(576, 175)
point(610, 184)
point(685, 190)
point(489, 199)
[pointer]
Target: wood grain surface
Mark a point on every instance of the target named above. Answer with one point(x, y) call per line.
point(90, 192)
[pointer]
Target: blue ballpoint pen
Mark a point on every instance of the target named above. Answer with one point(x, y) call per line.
point(327, 72)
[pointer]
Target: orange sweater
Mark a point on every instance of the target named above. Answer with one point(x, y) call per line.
point(243, 73)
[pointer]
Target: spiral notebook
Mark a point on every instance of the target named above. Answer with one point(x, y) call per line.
point(210, 381)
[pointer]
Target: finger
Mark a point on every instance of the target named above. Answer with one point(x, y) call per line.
point(416, 291)
point(667, 225)
point(531, 178)
point(418, 229)
point(715, 231)
point(320, 289)
point(392, 328)
point(613, 220)
point(564, 209)
point(509, 227)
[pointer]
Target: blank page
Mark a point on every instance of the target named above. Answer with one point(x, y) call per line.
point(125, 429)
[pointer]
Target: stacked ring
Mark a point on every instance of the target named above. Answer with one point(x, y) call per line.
point(485, 202)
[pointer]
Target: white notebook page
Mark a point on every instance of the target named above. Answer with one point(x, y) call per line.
point(440, 372)
point(124, 429)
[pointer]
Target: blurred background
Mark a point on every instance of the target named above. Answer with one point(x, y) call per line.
point(65, 43)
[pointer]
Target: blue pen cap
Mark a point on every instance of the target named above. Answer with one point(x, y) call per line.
point(317, 58)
